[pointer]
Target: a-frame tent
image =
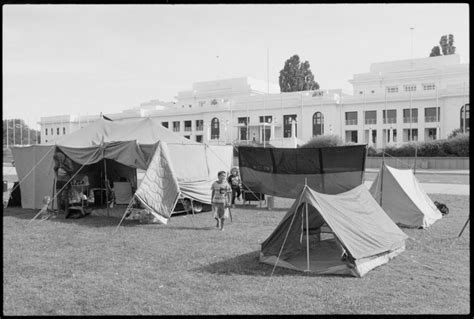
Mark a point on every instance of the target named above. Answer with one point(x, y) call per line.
point(342, 234)
point(403, 198)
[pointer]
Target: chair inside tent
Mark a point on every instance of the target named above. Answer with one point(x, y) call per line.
point(342, 234)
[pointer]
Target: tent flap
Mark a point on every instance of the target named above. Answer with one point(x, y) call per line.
point(159, 188)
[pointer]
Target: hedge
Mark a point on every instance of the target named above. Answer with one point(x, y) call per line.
point(454, 147)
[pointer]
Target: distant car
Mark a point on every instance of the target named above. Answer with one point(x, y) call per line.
point(186, 207)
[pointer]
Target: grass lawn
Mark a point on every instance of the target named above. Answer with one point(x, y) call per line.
point(188, 267)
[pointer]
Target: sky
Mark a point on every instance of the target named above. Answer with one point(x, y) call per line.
point(87, 59)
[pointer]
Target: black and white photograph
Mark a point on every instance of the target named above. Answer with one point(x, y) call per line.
point(236, 159)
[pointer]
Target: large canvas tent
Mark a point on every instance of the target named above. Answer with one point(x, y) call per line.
point(403, 199)
point(343, 234)
point(283, 172)
point(124, 146)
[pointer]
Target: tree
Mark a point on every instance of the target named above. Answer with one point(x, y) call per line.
point(445, 46)
point(297, 76)
point(20, 137)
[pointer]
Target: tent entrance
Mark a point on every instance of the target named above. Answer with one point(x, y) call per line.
point(97, 186)
point(315, 248)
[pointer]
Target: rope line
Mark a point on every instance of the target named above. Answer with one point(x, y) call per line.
point(284, 241)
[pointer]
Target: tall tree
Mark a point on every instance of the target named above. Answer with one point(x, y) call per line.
point(445, 46)
point(297, 76)
point(20, 137)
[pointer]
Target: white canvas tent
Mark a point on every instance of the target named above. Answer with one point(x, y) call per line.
point(403, 199)
point(130, 145)
point(343, 234)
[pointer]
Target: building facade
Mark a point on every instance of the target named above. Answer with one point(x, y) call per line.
point(394, 103)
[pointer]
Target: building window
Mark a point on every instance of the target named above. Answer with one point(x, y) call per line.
point(215, 129)
point(199, 125)
point(465, 118)
point(430, 114)
point(351, 136)
point(287, 120)
point(318, 93)
point(410, 118)
point(431, 134)
point(45, 131)
point(187, 136)
point(57, 131)
point(190, 105)
point(410, 135)
point(187, 126)
point(409, 87)
point(213, 102)
point(176, 126)
point(392, 89)
point(243, 129)
point(351, 118)
point(199, 138)
point(389, 117)
point(64, 130)
point(361, 92)
point(164, 124)
point(53, 131)
point(318, 124)
point(374, 136)
point(429, 86)
point(266, 119)
point(370, 117)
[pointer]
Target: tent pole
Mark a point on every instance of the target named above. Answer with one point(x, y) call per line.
point(307, 236)
point(106, 187)
point(125, 214)
point(192, 207)
point(54, 191)
point(467, 221)
point(381, 182)
point(416, 154)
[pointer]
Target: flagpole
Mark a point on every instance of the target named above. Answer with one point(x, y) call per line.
point(14, 127)
point(7, 133)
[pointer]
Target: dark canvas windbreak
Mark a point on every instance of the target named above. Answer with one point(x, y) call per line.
point(283, 171)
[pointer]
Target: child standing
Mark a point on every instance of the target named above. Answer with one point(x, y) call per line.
point(220, 198)
point(235, 184)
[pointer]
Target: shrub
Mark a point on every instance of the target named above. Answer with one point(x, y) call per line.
point(323, 141)
point(459, 145)
point(454, 147)
point(455, 133)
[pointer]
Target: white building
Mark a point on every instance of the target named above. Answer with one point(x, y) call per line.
point(240, 110)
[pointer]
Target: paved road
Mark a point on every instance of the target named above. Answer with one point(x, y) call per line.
point(430, 188)
point(437, 188)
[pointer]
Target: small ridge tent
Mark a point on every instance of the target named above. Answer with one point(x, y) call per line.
point(283, 172)
point(403, 199)
point(342, 234)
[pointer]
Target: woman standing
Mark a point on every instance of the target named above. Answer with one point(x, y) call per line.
point(220, 198)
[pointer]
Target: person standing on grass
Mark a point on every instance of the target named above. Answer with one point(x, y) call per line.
point(235, 184)
point(220, 198)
